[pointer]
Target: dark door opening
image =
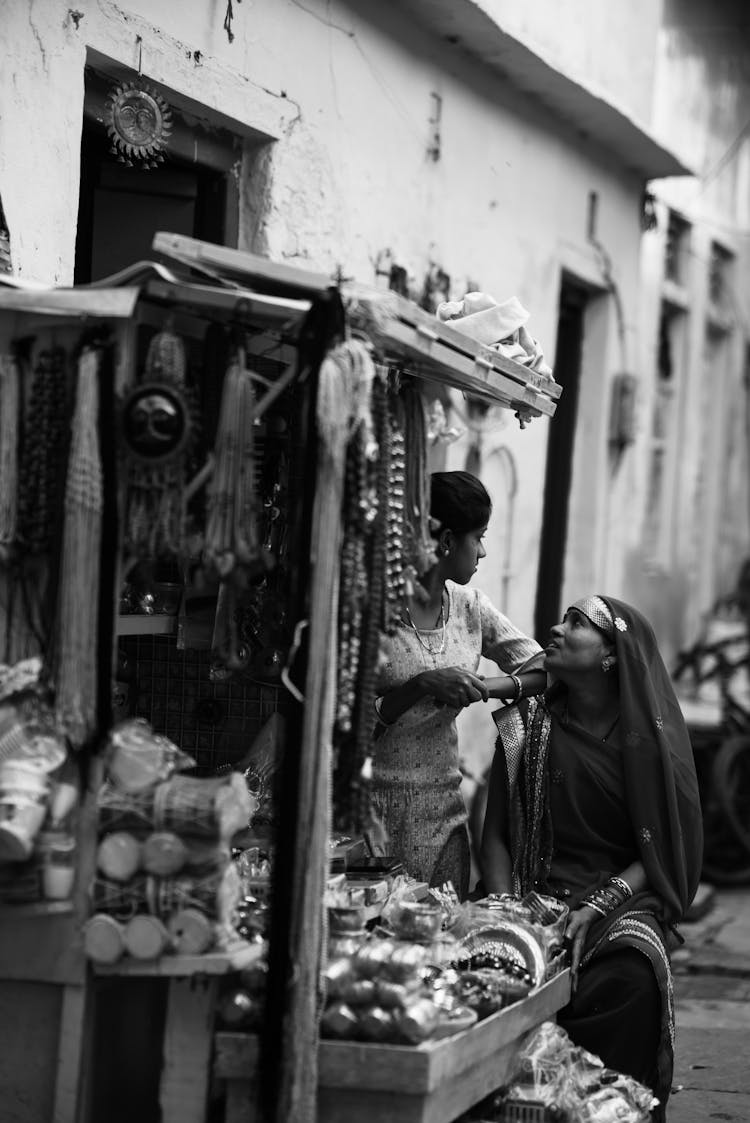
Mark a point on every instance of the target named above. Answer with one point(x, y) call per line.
point(559, 468)
point(121, 208)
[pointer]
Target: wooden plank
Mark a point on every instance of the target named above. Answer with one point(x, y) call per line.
point(422, 1068)
point(408, 1069)
point(430, 359)
point(232, 302)
point(412, 314)
point(186, 966)
point(29, 1033)
point(43, 948)
point(70, 1044)
point(238, 263)
point(76, 303)
point(183, 1093)
point(442, 1105)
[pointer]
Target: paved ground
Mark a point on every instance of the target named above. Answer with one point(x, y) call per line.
point(712, 993)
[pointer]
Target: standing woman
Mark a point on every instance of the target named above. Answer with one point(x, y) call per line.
point(593, 798)
point(428, 674)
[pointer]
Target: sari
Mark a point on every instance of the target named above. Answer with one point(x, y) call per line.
point(576, 813)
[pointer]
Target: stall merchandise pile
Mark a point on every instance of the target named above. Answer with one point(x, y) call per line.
point(165, 880)
point(433, 967)
point(39, 793)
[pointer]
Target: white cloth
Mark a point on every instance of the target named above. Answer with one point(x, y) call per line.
point(501, 327)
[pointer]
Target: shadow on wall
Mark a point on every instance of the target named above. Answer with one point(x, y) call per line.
point(662, 597)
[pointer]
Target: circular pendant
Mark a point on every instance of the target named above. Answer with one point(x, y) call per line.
point(139, 123)
point(156, 422)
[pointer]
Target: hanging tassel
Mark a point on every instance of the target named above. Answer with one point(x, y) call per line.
point(76, 671)
point(9, 417)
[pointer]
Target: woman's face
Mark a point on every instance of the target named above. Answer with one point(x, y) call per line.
point(466, 551)
point(576, 647)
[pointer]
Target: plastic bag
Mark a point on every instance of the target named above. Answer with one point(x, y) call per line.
point(139, 759)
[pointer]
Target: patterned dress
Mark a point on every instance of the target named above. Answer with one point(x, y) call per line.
point(416, 779)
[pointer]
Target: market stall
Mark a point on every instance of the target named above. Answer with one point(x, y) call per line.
point(222, 454)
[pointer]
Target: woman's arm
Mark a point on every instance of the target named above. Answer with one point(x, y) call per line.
point(494, 855)
point(581, 919)
point(505, 686)
point(448, 686)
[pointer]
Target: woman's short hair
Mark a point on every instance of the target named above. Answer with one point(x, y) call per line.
point(459, 501)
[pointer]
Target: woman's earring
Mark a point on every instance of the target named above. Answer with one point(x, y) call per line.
point(606, 665)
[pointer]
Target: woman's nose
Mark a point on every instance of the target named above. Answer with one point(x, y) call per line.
point(481, 552)
point(556, 630)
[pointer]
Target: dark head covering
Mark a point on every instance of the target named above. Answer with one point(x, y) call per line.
point(660, 780)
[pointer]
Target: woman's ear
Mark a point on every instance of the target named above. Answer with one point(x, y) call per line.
point(609, 661)
point(445, 541)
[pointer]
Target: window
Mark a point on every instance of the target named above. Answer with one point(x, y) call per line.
point(719, 276)
point(676, 249)
point(662, 453)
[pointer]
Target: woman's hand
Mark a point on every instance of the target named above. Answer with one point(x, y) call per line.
point(576, 931)
point(453, 686)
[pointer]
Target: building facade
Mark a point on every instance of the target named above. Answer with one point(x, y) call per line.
point(523, 149)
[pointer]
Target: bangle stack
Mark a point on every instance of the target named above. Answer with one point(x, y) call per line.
point(377, 704)
point(517, 693)
point(609, 897)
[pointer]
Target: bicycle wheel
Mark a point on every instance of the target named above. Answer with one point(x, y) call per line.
point(731, 786)
point(725, 861)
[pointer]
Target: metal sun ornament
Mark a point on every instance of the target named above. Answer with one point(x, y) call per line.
point(139, 123)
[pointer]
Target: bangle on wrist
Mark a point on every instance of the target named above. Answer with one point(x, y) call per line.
point(517, 692)
point(377, 704)
point(619, 883)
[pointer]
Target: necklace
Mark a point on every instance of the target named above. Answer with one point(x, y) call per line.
point(430, 650)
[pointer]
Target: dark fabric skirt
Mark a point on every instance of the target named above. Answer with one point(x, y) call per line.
point(616, 1013)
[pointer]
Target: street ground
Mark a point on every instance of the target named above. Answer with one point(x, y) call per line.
point(712, 995)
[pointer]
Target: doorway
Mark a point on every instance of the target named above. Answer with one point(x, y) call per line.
point(558, 472)
point(194, 192)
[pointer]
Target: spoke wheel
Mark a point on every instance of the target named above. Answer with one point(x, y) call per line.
point(731, 786)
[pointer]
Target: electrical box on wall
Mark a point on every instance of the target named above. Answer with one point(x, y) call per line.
point(622, 410)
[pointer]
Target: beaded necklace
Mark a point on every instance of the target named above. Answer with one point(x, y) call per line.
point(427, 647)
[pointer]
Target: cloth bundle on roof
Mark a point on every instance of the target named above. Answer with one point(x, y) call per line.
point(499, 326)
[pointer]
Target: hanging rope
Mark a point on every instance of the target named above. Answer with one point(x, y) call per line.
point(76, 647)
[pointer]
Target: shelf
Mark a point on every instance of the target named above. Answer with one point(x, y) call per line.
point(25, 910)
point(235, 958)
point(434, 1082)
point(156, 625)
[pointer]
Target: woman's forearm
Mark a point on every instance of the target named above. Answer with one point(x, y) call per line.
point(635, 876)
point(397, 701)
point(505, 687)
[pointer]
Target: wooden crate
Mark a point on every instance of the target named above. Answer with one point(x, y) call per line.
point(429, 1083)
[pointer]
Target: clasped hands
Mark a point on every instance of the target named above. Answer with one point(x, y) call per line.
point(452, 686)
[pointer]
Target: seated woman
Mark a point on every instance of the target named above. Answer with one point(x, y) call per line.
point(593, 798)
point(428, 673)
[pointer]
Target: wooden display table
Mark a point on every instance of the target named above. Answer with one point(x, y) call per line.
point(430, 1083)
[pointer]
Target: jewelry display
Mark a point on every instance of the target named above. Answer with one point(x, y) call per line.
point(41, 470)
point(76, 639)
point(157, 430)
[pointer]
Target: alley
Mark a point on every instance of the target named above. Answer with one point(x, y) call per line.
point(712, 989)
